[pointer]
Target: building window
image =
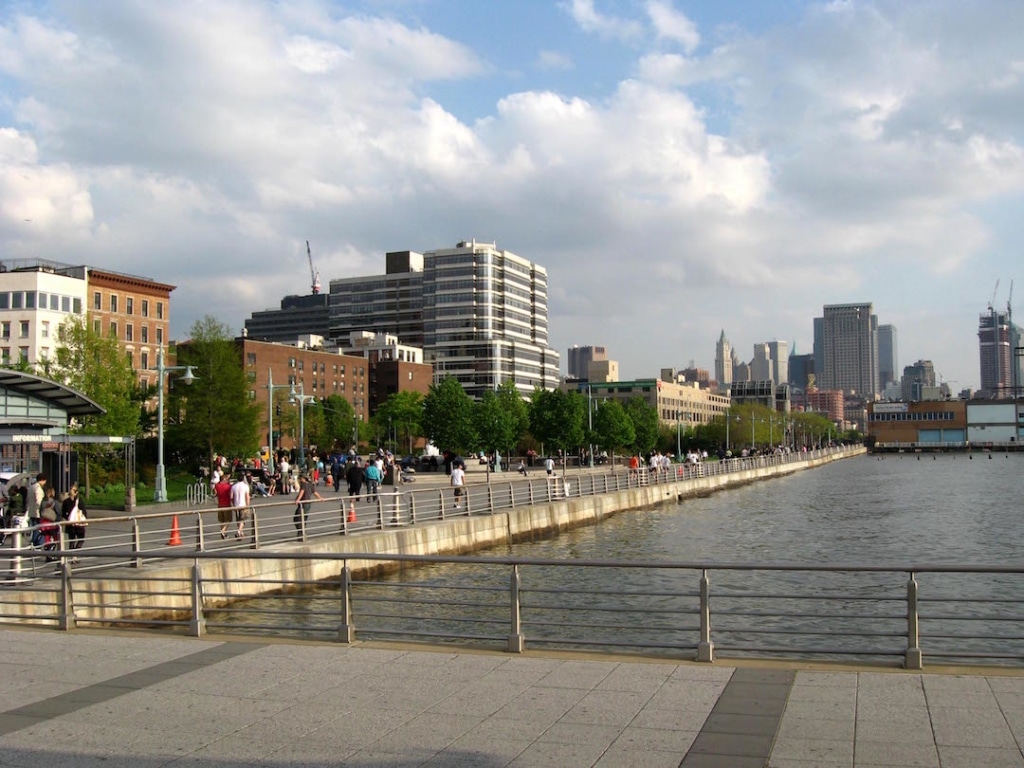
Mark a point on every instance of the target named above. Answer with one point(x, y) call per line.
point(55, 302)
point(129, 305)
point(65, 305)
point(5, 329)
point(145, 334)
point(23, 354)
point(17, 299)
point(43, 301)
point(250, 358)
point(44, 353)
point(44, 329)
point(145, 360)
point(5, 355)
point(129, 332)
point(341, 370)
point(96, 327)
point(145, 307)
point(23, 329)
point(113, 329)
point(131, 358)
point(30, 300)
point(97, 301)
point(113, 302)
point(5, 300)
point(159, 335)
point(159, 310)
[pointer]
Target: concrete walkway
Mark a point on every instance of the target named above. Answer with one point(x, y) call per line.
point(92, 699)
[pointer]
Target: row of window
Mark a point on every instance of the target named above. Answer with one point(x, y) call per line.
point(129, 331)
point(300, 365)
point(24, 329)
point(54, 302)
point(5, 354)
point(129, 305)
point(924, 416)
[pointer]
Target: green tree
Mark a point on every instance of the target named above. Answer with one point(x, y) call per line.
point(339, 418)
point(214, 415)
point(402, 414)
point(613, 429)
point(645, 424)
point(96, 366)
point(557, 419)
point(448, 416)
point(502, 418)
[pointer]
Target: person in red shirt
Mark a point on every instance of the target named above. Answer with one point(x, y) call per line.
point(224, 513)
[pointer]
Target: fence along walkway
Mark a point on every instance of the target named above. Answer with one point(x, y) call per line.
point(274, 521)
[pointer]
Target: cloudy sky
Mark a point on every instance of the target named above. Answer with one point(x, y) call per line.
point(680, 167)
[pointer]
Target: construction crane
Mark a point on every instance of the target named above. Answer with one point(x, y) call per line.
point(992, 302)
point(313, 274)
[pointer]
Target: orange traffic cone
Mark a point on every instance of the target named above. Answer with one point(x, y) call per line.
point(352, 513)
point(175, 539)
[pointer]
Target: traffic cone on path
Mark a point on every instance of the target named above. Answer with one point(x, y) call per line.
point(175, 539)
point(351, 513)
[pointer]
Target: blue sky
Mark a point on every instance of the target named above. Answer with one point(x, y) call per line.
point(679, 167)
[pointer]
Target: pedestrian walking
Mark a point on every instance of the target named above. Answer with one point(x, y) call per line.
point(303, 502)
point(458, 480)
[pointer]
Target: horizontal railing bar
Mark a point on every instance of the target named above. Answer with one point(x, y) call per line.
point(413, 633)
point(803, 632)
point(612, 609)
point(586, 625)
point(607, 643)
point(814, 615)
point(414, 617)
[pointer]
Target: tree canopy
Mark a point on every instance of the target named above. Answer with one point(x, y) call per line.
point(448, 416)
point(557, 418)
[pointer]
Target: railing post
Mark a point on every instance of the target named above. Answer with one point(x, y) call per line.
point(412, 508)
point(490, 501)
point(705, 648)
point(255, 529)
point(67, 620)
point(197, 625)
point(516, 641)
point(512, 495)
point(200, 541)
point(530, 485)
point(346, 632)
point(136, 542)
point(913, 657)
point(380, 513)
point(396, 507)
point(440, 497)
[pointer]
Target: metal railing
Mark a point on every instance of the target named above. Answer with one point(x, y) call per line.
point(276, 522)
point(899, 614)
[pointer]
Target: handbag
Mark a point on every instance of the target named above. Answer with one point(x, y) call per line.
point(75, 515)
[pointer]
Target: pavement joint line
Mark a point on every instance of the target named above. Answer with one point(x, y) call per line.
point(740, 740)
point(40, 711)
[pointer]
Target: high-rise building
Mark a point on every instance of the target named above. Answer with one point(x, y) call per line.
point(995, 351)
point(918, 378)
point(801, 369)
point(480, 314)
point(818, 353)
point(579, 359)
point(723, 362)
point(850, 349)
point(888, 359)
point(761, 367)
point(307, 315)
point(778, 353)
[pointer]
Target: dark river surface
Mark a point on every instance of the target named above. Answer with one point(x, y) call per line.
point(898, 511)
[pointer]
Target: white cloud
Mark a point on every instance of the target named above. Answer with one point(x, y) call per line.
point(591, 20)
point(670, 24)
point(553, 60)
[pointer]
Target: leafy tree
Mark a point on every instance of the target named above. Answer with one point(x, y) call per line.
point(613, 429)
point(402, 413)
point(645, 424)
point(502, 418)
point(448, 416)
point(339, 417)
point(96, 366)
point(557, 418)
point(213, 415)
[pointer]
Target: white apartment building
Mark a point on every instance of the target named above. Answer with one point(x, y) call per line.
point(34, 302)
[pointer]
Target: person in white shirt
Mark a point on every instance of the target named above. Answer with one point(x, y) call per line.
point(458, 481)
point(240, 499)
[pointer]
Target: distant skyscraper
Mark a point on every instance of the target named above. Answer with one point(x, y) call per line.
point(761, 368)
point(778, 352)
point(723, 362)
point(850, 349)
point(800, 368)
point(995, 351)
point(888, 359)
point(580, 358)
point(819, 349)
point(915, 378)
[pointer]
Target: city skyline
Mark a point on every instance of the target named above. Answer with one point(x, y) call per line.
point(677, 167)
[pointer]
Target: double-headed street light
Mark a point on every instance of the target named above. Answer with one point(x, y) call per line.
point(160, 486)
point(301, 398)
point(270, 411)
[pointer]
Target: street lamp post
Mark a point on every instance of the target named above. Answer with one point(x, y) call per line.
point(301, 399)
point(160, 485)
point(270, 411)
point(679, 444)
point(590, 421)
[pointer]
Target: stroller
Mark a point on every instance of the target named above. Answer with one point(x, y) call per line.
point(47, 537)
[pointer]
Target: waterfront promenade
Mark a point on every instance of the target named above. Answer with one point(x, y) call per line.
point(103, 698)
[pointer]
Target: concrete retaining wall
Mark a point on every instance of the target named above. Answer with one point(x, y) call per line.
point(165, 591)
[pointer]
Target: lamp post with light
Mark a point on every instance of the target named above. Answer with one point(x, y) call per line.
point(301, 398)
point(160, 485)
point(270, 411)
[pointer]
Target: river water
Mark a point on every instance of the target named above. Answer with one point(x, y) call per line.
point(899, 510)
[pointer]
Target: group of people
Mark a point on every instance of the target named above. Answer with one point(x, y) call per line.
point(43, 512)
